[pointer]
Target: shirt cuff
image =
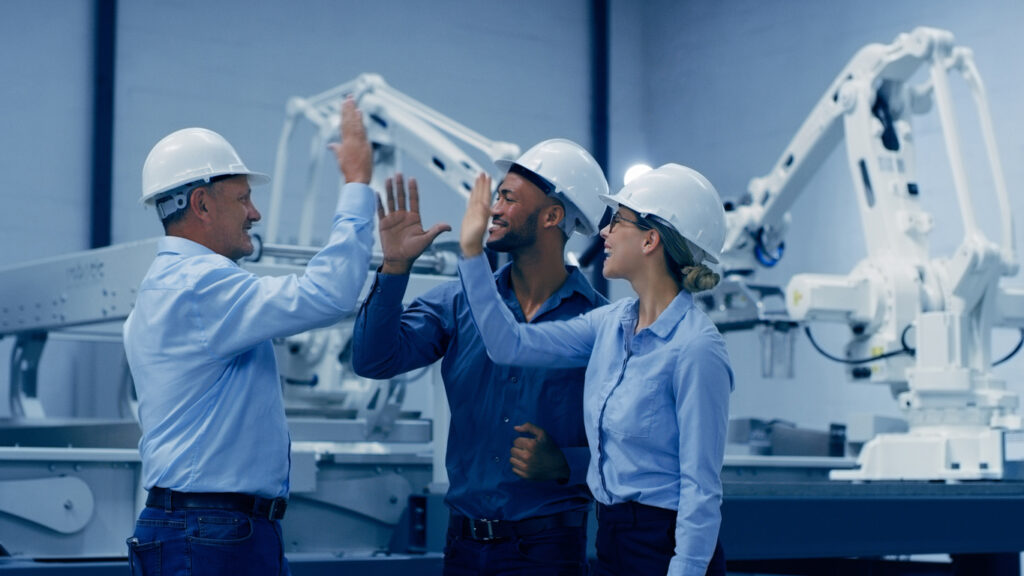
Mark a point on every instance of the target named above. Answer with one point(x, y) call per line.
point(470, 266)
point(357, 199)
point(680, 567)
point(388, 287)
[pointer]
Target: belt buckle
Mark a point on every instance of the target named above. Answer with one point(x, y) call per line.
point(481, 537)
point(277, 504)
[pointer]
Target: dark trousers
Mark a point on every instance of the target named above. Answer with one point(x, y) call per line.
point(196, 542)
point(634, 539)
point(554, 552)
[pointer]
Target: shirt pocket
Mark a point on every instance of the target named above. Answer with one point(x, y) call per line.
point(631, 407)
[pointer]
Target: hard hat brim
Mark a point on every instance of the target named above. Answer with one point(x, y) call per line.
point(258, 178)
point(610, 200)
point(254, 178)
point(614, 203)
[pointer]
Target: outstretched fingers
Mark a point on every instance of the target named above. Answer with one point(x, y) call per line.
point(478, 212)
point(481, 194)
point(414, 196)
point(389, 191)
point(355, 157)
point(351, 121)
point(437, 229)
point(400, 191)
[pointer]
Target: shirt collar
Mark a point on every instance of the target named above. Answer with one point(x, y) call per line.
point(576, 282)
point(183, 246)
point(667, 320)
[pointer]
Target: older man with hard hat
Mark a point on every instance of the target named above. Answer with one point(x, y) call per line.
point(215, 444)
point(517, 452)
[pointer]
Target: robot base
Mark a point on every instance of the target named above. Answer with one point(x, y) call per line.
point(949, 453)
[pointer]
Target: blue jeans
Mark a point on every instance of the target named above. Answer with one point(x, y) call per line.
point(196, 542)
point(634, 539)
point(554, 552)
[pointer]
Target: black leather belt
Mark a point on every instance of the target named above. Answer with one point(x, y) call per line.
point(270, 508)
point(483, 530)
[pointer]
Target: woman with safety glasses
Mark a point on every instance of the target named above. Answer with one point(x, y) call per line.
point(658, 378)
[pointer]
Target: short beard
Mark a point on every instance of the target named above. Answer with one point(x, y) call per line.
point(514, 238)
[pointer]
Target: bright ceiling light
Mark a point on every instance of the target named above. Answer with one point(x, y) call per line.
point(634, 171)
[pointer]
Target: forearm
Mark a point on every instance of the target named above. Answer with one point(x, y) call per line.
point(509, 342)
point(697, 525)
point(702, 413)
point(339, 270)
point(377, 339)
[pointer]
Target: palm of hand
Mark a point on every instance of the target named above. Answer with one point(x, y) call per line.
point(478, 212)
point(402, 236)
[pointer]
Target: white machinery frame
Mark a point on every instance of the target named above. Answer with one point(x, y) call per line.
point(963, 422)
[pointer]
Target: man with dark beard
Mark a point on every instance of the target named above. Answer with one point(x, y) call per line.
point(517, 453)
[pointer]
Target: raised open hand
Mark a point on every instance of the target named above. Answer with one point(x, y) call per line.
point(402, 236)
point(478, 213)
point(355, 157)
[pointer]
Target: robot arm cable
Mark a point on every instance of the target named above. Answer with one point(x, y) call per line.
point(1012, 353)
point(904, 350)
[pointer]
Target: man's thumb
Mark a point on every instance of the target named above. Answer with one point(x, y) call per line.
point(529, 429)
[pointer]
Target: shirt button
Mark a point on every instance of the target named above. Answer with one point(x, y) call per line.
point(505, 419)
point(514, 379)
point(496, 459)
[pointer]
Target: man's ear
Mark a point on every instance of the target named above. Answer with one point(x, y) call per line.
point(553, 215)
point(198, 201)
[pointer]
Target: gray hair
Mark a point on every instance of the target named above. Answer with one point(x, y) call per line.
point(172, 206)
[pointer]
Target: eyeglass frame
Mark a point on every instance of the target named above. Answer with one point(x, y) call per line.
point(639, 223)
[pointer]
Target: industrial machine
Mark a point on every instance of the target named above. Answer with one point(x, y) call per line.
point(72, 488)
point(919, 324)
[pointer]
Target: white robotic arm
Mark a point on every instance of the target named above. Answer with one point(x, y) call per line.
point(955, 408)
point(315, 364)
point(870, 104)
point(396, 124)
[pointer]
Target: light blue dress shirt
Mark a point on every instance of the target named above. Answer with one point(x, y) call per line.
point(656, 402)
point(199, 347)
point(486, 400)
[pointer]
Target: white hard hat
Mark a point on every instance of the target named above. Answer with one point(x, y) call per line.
point(190, 155)
point(576, 177)
point(682, 197)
